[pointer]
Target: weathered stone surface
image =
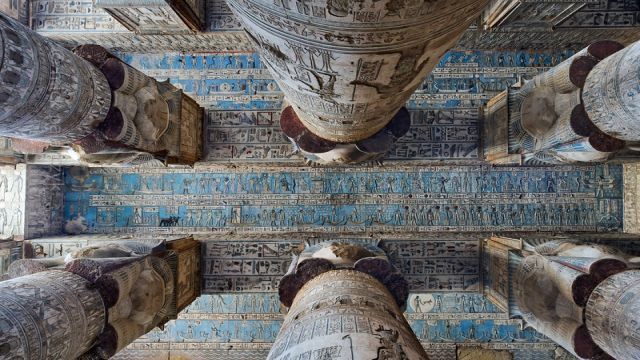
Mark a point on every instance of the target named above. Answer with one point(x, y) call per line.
point(612, 94)
point(345, 314)
point(582, 110)
point(49, 315)
point(156, 16)
point(39, 79)
point(478, 353)
point(612, 315)
point(346, 85)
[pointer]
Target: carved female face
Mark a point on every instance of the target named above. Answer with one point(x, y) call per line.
point(147, 297)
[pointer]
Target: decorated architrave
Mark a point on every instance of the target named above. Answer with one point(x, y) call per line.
point(583, 110)
point(345, 301)
point(96, 300)
point(61, 109)
point(347, 68)
point(157, 16)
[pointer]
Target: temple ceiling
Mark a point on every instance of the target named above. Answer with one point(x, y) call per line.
point(252, 200)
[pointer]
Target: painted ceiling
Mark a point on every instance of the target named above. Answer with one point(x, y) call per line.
point(252, 200)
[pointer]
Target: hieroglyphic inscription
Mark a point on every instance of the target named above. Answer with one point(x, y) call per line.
point(12, 200)
point(447, 265)
point(568, 198)
point(36, 72)
point(50, 314)
point(471, 331)
point(345, 311)
point(244, 101)
point(71, 16)
point(220, 17)
point(604, 14)
point(631, 198)
point(244, 265)
point(44, 198)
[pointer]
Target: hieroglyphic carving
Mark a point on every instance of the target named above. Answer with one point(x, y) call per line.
point(330, 78)
point(446, 265)
point(292, 199)
point(515, 15)
point(631, 199)
point(55, 16)
point(244, 266)
point(156, 17)
point(140, 284)
point(247, 265)
point(42, 80)
point(543, 39)
point(611, 94)
point(51, 314)
point(78, 22)
point(543, 24)
point(200, 42)
point(13, 191)
point(247, 101)
point(345, 312)
point(471, 331)
point(603, 14)
point(608, 313)
point(17, 9)
point(229, 320)
point(444, 306)
point(150, 353)
point(44, 212)
point(62, 246)
point(220, 17)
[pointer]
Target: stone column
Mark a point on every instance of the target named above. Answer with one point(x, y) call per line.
point(347, 68)
point(49, 315)
point(92, 107)
point(582, 110)
point(95, 301)
point(345, 302)
point(46, 92)
point(345, 314)
point(611, 94)
point(582, 296)
point(613, 315)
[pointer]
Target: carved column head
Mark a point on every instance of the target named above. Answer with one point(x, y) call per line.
point(320, 258)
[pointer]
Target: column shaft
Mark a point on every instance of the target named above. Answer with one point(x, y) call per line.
point(49, 315)
point(613, 315)
point(612, 94)
point(46, 92)
point(345, 314)
point(348, 67)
